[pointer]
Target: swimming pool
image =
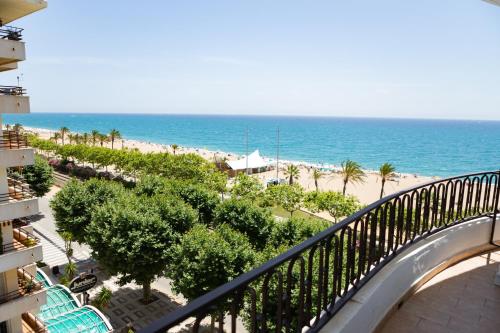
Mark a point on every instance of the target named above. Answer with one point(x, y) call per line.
point(86, 319)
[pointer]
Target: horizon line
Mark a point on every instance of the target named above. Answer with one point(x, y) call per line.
point(264, 115)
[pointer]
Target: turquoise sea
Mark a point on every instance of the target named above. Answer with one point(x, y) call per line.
point(426, 147)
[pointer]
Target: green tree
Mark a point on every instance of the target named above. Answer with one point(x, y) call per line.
point(292, 172)
point(102, 139)
point(63, 130)
point(386, 171)
point(335, 203)
point(206, 259)
point(202, 199)
point(74, 203)
point(295, 230)
point(246, 187)
point(351, 172)
point(172, 211)
point(39, 176)
point(114, 134)
point(18, 127)
point(129, 239)
point(255, 222)
point(289, 197)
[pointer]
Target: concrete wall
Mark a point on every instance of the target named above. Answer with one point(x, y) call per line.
point(14, 104)
point(20, 258)
point(408, 271)
point(11, 51)
point(23, 304)
point(17, 157)
point(16, 209)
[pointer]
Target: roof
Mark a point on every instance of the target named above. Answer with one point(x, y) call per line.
point(254, 161)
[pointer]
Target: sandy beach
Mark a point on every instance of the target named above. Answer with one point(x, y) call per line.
point(366, 192)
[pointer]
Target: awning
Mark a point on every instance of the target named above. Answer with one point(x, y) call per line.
point(254, 161)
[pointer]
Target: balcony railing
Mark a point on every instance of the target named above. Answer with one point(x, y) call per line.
point(13, 140)
point(22, 239)
point(306, 286)
point(11, 33)
point(18, 190)
point(26, 286)
point(12, 90)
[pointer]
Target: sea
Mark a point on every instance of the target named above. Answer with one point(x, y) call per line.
point(424, 147)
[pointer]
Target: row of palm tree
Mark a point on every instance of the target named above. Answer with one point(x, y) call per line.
point(351, 172)
point(93, 137)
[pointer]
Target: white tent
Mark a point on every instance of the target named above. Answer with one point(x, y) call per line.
point(255, 161)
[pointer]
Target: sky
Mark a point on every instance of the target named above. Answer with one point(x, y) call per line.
point(387, 58)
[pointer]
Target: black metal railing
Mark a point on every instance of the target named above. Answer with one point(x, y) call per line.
point(27, 285)
point(22, 239)
point(12, 90)
point(11, 33)
point(13, 140)
point(307, 285)
point(18, 190)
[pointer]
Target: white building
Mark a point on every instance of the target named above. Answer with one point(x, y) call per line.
point(19, 249)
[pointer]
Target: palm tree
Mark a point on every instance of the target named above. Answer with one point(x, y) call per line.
point(292, 171)
point(351, 172)
point(316, 176)
point(113, 135)
point(386, 171)
point(56, 136)
point(17, 127)
point(85, 138)
point(63, 130)
point(71, 138)
point(174, 147)
point(102, 138)
point(95, 135)
point(7, 127)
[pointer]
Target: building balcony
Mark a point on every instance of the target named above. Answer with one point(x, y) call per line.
point(14, 150)
point(29, 296)
point(11, 10)
point(32, 324)
point(19, 202)
point(24, 249)
point(13, 100)
point(351, 276)
point(12, 49)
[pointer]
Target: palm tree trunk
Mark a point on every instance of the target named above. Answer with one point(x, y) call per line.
point(316, 184)
point(382, 189)
point(345, 186)
point(112, 143)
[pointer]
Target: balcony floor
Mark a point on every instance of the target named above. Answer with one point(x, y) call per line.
point(462, 298)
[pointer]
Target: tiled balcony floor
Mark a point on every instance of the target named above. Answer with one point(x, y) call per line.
point(462, 298)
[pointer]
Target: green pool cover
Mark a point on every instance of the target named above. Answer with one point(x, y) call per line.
point(84, 319)
point(59, 301)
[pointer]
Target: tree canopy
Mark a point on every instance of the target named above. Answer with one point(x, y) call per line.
point(39, 176)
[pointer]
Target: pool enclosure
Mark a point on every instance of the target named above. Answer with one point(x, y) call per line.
point(64, 313)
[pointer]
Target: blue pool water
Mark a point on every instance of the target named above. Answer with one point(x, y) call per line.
point(428, 147)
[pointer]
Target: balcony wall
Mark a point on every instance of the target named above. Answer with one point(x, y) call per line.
point(16, 209)
point(14, 104)
point(402, 276)
point(8, 67)
point(16, 157)
point(11, 51)
point(27, 303)
point(20, 257)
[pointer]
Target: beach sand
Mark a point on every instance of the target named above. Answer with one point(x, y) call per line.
point(367, 192)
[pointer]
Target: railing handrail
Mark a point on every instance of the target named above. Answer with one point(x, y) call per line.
point(12, 139)
point(18, 189)
point(21, 290)
point(199, 306)
point(12, 90)
point(20, 243)
point(11, 33)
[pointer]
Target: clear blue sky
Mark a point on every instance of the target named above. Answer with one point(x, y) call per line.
point(388, 58)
